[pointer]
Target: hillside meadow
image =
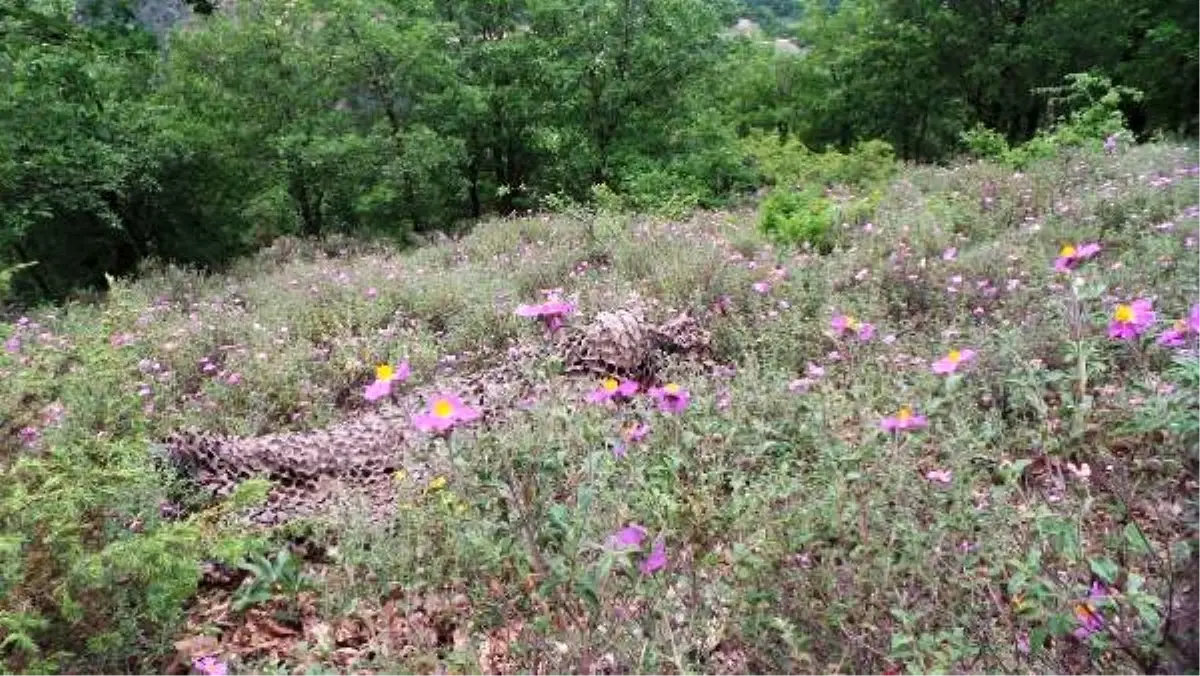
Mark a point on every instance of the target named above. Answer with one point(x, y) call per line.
point(964, 439)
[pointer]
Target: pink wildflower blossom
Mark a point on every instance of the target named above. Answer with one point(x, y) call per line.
point(1129, 321)
point(1177, 335)
point(637, 431)
point(552, 312)
point(629, 537)
point(444, 413)
point(1088, 615)
point(763, 287)
point(950, 254)
point(951, 362)
point(671, 398)
point(940, 476)
point(385, 375)
point(29, 436)
point(210, 666)
point(657, 559)
point(904, 420)
point(611, 388)
point(1070, 256)
point(845, 323)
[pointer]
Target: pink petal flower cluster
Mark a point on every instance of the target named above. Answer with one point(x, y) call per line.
point(1129, 321)
point(445, 411)
point(842, 324)
point(553, 312)
point(951, 362)
point(210, 666)
point(611, 388)
point(631, 537)
point(903, 421)
point(1177, 335)
point(671, 398)
point(385, 375)
point(1070, 256)
point(632, 434)
point(1087, 614)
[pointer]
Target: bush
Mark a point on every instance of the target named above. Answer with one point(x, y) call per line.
point(790, 162)
point(791, 217)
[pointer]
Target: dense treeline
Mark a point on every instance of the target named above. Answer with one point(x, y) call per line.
point(384, 117)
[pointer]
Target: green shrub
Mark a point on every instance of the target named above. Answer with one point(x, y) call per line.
point(792, 217)
point(790, 162)
point(984, 143)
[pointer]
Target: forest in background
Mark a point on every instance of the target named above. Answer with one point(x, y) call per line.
point(121, 145)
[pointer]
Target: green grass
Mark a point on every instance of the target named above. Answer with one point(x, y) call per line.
point(799, 536)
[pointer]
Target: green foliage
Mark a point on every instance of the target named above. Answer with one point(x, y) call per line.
point(1089, 113)
point(802, 218)
point(279, 575)
point(867, 165)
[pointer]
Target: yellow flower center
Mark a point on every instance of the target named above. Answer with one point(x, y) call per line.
point(1180, 325)
point(443, 408)
point(1123, 314)
point(851, 322)
point(904, 414)
point(610, 384)
point(384, 372)
point(955, 356)
point(1067, 250)
point(437, 484)
point(671, 388)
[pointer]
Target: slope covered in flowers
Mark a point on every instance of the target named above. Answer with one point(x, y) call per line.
point(964, 440)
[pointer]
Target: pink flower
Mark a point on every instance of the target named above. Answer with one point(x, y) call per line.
point(843, 323)
point(552, 312)
point(1177, 335)
point(210, 666)
point(445, 411)
point(950, 363)
point(800, 385)
point(761, 287)
point(385, 375)
point(1131, 320)
point(1087, 615)
point(657, 559)
point(904, 420)
point(611, 388)
point(637, 432)
point(813, 370)
point(950, 254)
point(29, 436)
point(941, 476)
point(671, 398)
point(372, 292)
point(13, 344)
point(234, 378)
point(1069, 256)
point(629, 537)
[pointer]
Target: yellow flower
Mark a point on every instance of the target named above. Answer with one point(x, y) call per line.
point(443, 408)
point(438, 483)
point(1123, 314)
point(1067, 251)
point(904, 414)
point(610, 384)
point(384, 372)
point(399, 476)
point(671, 388)
point(955, 356)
